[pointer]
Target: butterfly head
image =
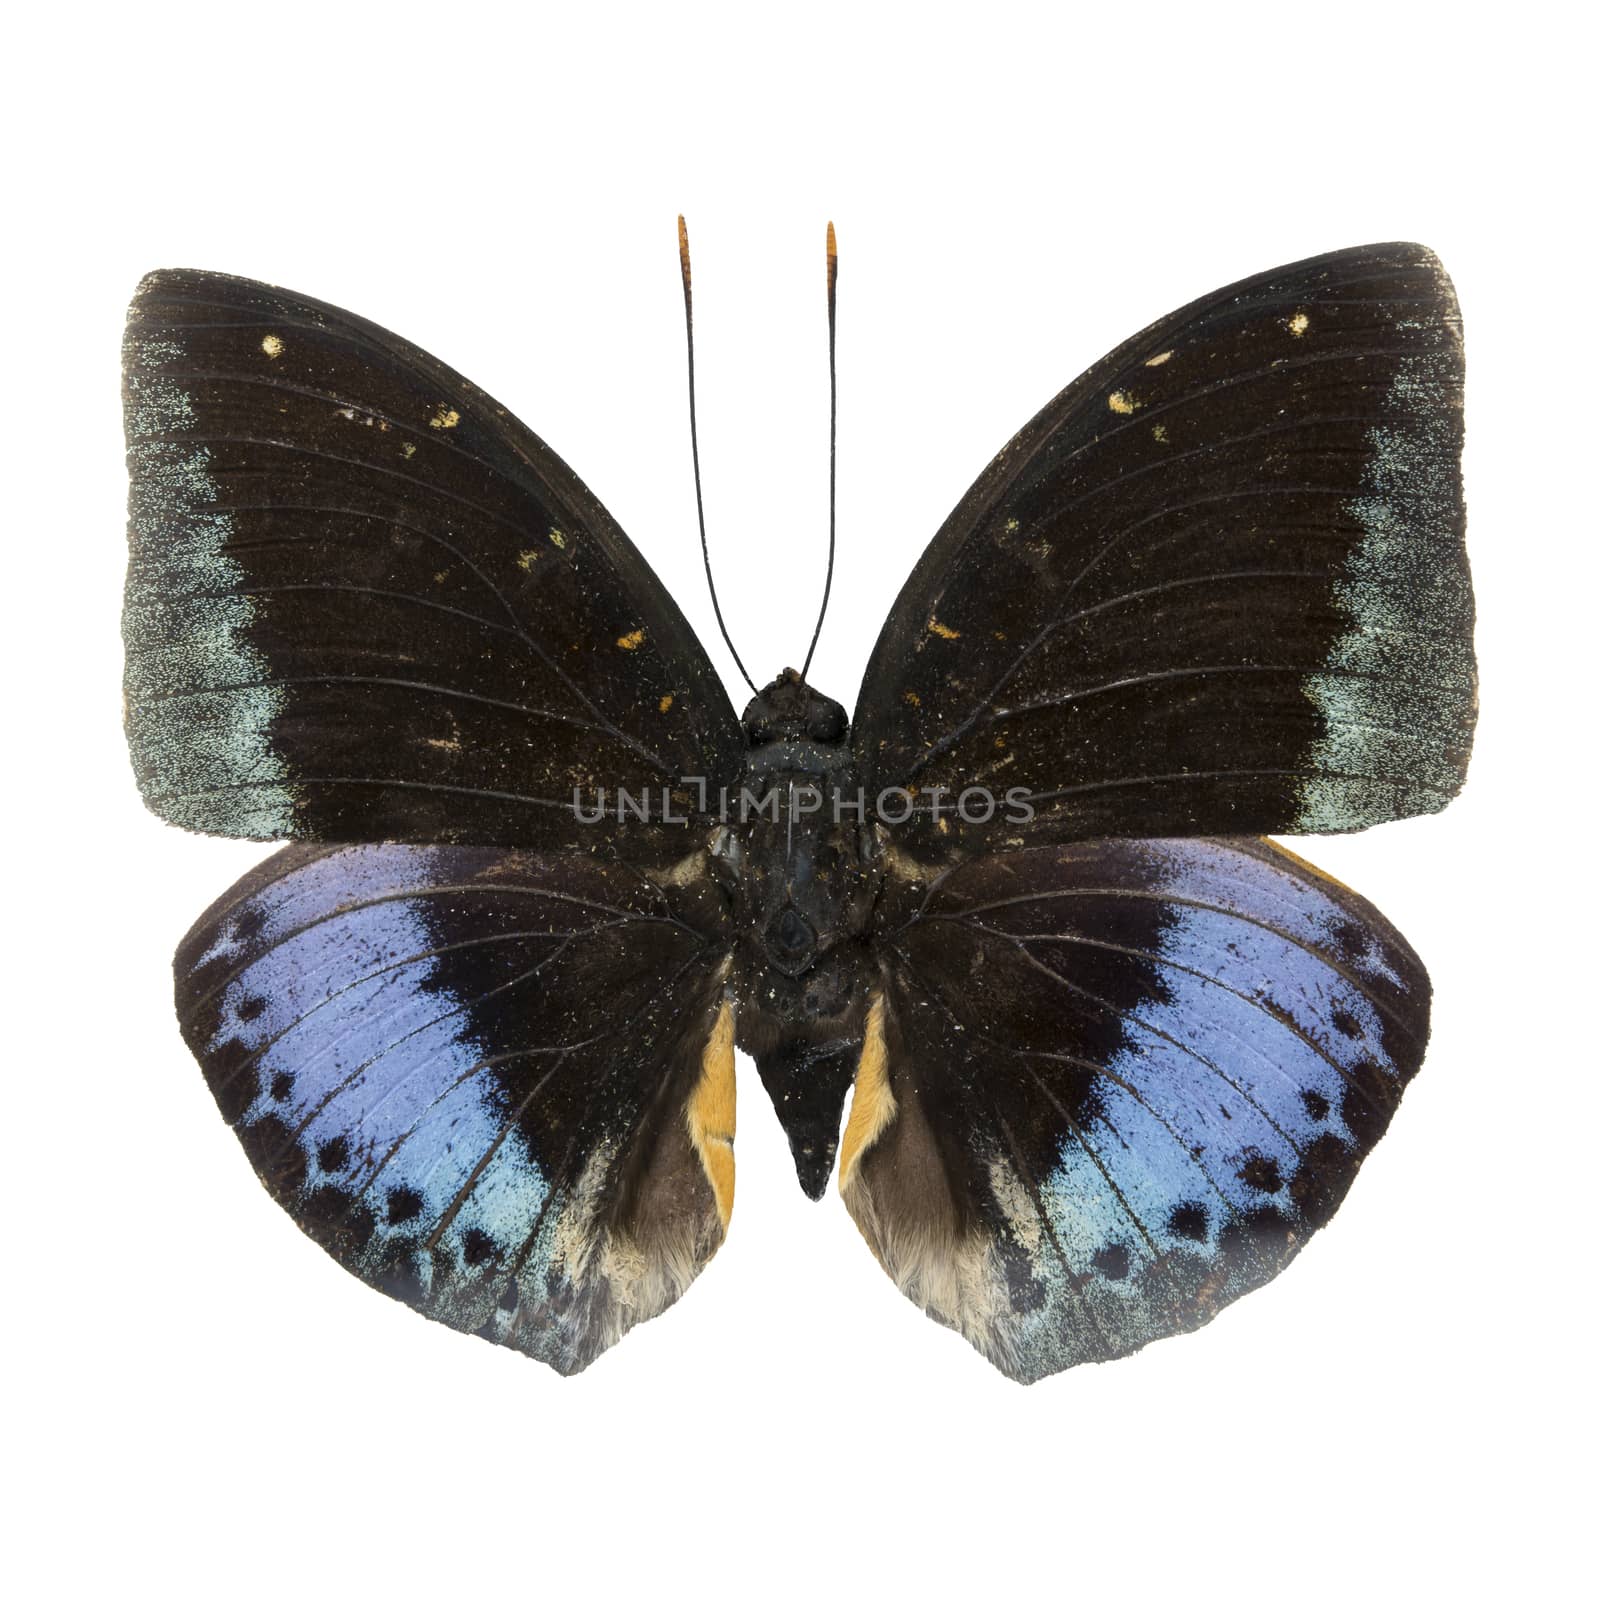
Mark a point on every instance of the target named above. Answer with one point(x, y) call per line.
point(790, 709)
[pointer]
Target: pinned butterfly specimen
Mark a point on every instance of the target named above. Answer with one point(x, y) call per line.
point(1115, 1055)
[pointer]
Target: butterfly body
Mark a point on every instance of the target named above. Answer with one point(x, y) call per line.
point(1115, 1055)
point(800, 859)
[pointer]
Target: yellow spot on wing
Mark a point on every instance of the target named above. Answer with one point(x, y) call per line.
point(1160, 360)
point(1298, 323)
point(527, 559)
point(872, 1108)
point(558, 539)
point(408, 450)
point(1159, 433)
point(631, 641)
point(444, 418)
point(912, 698)
point(1123, 403)
point(273, 346)
point(711, 1111)
point(664, 704)
point(936, 626)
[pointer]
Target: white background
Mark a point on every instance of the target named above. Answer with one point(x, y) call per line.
point(202, 1403)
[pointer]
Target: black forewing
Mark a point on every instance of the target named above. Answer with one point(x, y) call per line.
point(1111, 1087)
point(497, 1085)
point(364, 602)
point(1218, 585)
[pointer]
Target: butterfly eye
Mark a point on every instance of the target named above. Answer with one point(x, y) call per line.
point(826, 721)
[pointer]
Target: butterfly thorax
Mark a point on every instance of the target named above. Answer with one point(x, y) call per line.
point(798, 860)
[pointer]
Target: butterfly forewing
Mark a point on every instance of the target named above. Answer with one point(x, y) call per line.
point(1217, 586)
point(365, 603)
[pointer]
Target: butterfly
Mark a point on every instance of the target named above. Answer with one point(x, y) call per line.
point(1114, 1054)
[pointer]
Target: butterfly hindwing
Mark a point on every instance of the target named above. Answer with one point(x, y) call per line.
point(1108, 1088)
point(365, 603)
point(1217, 586)
point(497, 1085)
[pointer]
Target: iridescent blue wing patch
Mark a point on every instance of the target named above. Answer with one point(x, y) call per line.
point(1217, 586)
point(364, 602)
point(1109, 1088)
point(496, 1085)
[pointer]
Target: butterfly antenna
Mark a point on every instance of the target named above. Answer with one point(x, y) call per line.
point(694, 446)
point(833, 441)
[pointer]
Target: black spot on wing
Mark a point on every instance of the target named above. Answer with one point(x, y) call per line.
point(1261, 1173)
point(1345, 1023)
point(333, 1155)
point(1351, 943)
point(1112, 1261)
